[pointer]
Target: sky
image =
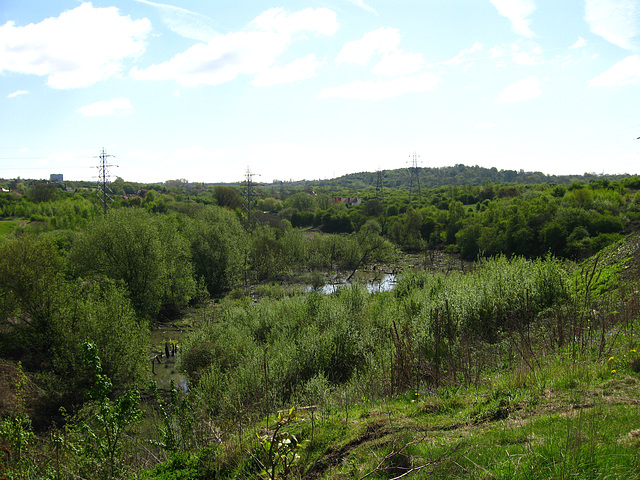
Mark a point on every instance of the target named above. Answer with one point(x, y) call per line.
point(291, 90)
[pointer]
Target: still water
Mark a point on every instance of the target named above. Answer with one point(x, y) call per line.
point(167, 336)
point(374, 283)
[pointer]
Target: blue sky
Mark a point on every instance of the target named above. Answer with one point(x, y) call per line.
point(203, 90)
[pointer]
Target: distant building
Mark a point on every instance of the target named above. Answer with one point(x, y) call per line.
point(56, 177)
point(348, 200)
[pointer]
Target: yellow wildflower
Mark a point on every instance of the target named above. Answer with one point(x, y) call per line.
point(611, 358)
point(613, 372)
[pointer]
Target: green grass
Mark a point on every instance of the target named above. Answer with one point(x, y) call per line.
point(7, 227)
point(583, 423)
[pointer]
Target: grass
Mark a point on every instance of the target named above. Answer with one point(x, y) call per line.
point(568, 420)
point(515, 425)
point(7, 227)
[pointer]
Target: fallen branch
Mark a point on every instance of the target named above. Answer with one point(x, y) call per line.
point(380, 467)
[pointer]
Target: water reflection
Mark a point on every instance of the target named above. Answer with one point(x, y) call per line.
point(165, 338)
point(374, 283)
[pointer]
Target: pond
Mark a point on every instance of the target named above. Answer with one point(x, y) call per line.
point(374, 283)
point(383, 278)
point(166, 337)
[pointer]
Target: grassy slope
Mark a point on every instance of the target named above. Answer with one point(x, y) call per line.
point(568, 420)
point(565, 415)
point(582, 424)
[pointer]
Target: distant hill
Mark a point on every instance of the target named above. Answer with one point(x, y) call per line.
point(444, 176)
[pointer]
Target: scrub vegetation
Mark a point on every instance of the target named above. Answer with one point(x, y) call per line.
point(522, 364)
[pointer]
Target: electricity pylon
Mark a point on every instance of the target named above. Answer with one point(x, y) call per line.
point(379, 191)
point(414, 176)
point(249, 191)
point(103, 178)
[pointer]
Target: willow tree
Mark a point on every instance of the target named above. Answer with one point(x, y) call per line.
point(136, 247)
point(218, 247)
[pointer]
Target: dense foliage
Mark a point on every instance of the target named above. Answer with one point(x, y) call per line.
point(80, 289)
point(570, 217)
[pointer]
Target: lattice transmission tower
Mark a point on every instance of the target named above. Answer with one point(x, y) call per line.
point(414, 177)
point(379, 185)
point(104, 178)
point(250, 195)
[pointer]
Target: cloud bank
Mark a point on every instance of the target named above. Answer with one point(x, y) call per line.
point(625, 72)
point(518, 12)
point(121, 106)
point(617, 21)
point(76, 49)
point(520, 91)
point(250, 52)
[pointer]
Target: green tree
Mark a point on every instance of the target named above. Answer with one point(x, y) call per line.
point(218, 247)
point(467, 239)
point(127, 245)
point(270, 204)
point(32, 293)
point(301, 201)
point(454, 221)
point(101, 313)
point(227, 197)
point(106, 431)
point(181, 284)
point(373, 208)
point(268, 258)
point(42, 192)
point(412, 234)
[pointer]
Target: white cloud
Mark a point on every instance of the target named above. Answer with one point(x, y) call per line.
point(17, 93)
point(517, 11)
point(251, 52)
point(522, 52)
point(465, 55)
point(398, 63)
point(121, 106)
point(526, 53)
point(363, 5)
point(381, 89)
point(520, 91)
point(184, 22)
point(625, 72)
point(76, 49)
point(581, 42)
point(320, 20)
point(384, 40)
point(219, 61)
point(617, 21)
point(383, 43)
point(299, 69)
point(497, 52)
